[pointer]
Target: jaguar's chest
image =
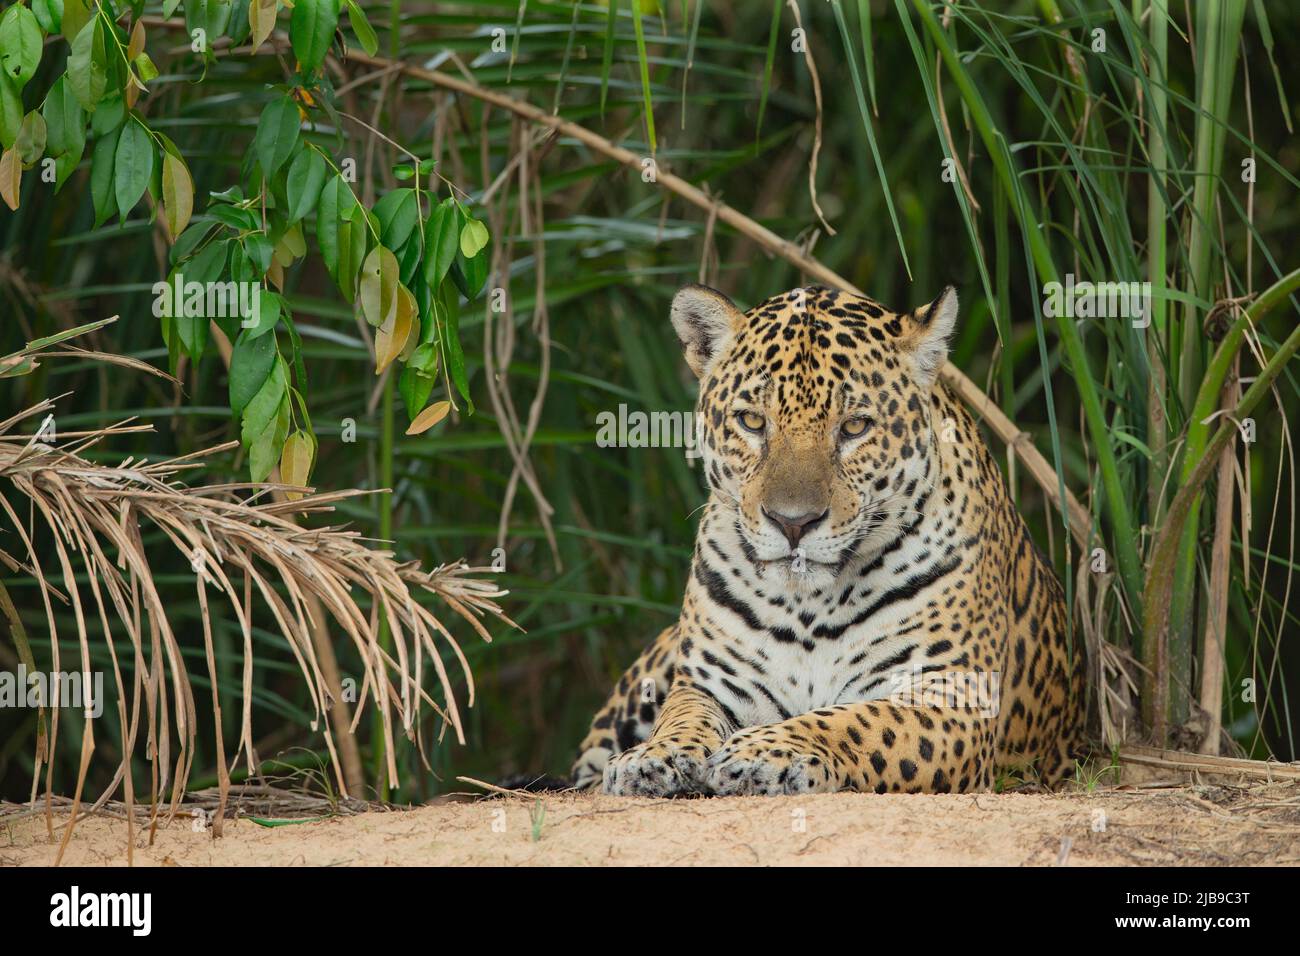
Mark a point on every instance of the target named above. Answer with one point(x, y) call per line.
point(769, 655)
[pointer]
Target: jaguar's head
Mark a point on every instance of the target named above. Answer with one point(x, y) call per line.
point(814, 420)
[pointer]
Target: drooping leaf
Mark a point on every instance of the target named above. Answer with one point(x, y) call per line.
point(398, 213)
point(311, 31)
point(132, 166)
point(178, 194)
point(49, 14)
point(11, 112)
point(361, 27)
point(306, 177)
point(252, 360)
point(429, 417)
point(267, 317)
point(65, 120)
point(21, 44)
point(11, 175)
point(296, 461)
point(102, 176)
point(76, 14)
point(88, 64)
point(265, 419)
point(277, 134)
point(441, 242)
point(473, 237)
point(379, 284)
point(31, 138)
point(261, 20)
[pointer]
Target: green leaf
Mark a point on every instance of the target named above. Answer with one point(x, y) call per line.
point(362, 28)
point(20, 44)
point(333, 196)
point(311, 31)
point(441, 242)
point(65, 120)
point(379, 283)
point(144, 66)
point(277, 135)
point(76, 14)
point(449, 327)
point(109, 115)
point(473, 237)
point(31, 138)
point(267, 317)
point(88, 65)
point(306, 176)
point(178, 194)
point(49, 14)
point(251, 362)
point(66, 164)
point(210, 16)
point(11, 112)
point(102, 177)
point(415, 384)
point(474, 272)
point(398, 212)
point(133, 166)
point(265, 419)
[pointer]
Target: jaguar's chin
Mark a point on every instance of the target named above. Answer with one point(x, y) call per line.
point(797, 574)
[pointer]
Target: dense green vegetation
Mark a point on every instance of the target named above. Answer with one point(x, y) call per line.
point(996, 146)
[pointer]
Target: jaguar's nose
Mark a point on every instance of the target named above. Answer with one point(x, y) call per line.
point(794, 527)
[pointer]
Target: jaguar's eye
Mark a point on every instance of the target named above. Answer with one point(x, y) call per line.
point(751, 422)
point(855, 427)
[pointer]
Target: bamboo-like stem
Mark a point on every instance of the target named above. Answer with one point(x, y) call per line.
point(1160, 577)
point(1157, 216)
point(1216, 623)
point(1220, 29)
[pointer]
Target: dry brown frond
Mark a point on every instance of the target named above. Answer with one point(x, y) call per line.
point(96, 517)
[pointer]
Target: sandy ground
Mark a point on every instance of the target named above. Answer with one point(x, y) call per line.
point(1207, 825)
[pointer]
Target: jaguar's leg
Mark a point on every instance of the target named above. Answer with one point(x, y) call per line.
point(872, 745)
point(690, 727)
point(630, 713)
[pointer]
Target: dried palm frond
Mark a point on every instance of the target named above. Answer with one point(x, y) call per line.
point(236, 541)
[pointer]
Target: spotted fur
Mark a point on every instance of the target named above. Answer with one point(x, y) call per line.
point(860, 573)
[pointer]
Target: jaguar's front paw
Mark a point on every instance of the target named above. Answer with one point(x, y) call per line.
point(654, 769)
point(760, 765)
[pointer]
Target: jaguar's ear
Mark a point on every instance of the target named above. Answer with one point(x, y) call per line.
point(705, 321)
point(930, 328)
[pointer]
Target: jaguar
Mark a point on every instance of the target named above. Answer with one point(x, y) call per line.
point(866, 609)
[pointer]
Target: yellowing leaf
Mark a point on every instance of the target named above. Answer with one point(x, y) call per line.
point(379, 283)
point(393, 337)
point(291, 247)
point(296, 462)
point(261, 20)
point(11, 177)
point(136, 46)
point(473, 237)
point(178, 194)
point(406, 305)
point(276, 274)
point(429, 417)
